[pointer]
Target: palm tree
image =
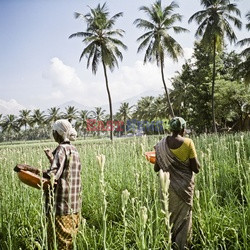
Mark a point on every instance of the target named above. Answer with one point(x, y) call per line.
point(125, 113)
point(157, 41)
point(143, 108)
point(37, 118)
point(100, 113)
point(24, 118)
point(159, 107)
point(246, 53)
point(70, 113)
point(81, 121)
point(101, 44)
point(100, 116)
point(214, 25)
point(54, 114)
point(9, 124)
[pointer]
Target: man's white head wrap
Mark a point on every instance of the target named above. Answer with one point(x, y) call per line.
point(64, 128)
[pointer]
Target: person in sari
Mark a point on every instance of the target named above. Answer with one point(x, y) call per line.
point(63, 199)
point(177, 155)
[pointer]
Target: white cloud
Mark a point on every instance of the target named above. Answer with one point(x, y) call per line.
point(10, 107)
point(125, 82)
point(135, 79)
point(63, 75)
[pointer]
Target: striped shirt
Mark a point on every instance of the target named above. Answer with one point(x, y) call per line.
point(66, 168)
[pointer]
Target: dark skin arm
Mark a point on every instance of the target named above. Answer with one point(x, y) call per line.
point(194, 165)
point(156, 167)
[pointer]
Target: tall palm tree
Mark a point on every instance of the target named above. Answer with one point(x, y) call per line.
point(125, 113)
point(214, 25)
point(102, 44)
point(53, 114)
point(70, 113)
point(24, 118)
point(157, 41)
point(246, 52)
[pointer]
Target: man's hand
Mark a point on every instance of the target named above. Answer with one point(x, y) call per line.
point(49, 155)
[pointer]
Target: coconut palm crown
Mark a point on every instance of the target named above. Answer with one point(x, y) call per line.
point(157, 41)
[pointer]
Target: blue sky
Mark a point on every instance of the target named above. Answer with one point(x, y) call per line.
point(39, 65)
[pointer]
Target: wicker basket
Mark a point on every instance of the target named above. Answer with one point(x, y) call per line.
point(31, 177)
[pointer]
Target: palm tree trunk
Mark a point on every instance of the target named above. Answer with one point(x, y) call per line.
point(213, 83)
point(110, 102)
point(125, 126)
point(166, 90)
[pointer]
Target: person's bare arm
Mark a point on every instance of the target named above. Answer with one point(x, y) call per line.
point(195, 165)
point(49, 155)
point(156, 167)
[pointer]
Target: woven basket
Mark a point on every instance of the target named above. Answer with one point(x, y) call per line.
point(30, 178)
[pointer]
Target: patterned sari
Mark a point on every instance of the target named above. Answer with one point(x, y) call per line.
point(181, 191)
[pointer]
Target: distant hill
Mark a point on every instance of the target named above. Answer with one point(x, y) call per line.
point(133, 100)
point(116, 105)
point(77, 105)
point(13, 107)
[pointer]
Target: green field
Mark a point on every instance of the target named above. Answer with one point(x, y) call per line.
point(221, 213)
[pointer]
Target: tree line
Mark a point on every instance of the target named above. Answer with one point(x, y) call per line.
point(211, 91)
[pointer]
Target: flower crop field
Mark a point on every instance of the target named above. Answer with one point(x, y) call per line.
point(121, 205)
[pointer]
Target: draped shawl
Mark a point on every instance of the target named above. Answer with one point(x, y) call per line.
point(181, 175)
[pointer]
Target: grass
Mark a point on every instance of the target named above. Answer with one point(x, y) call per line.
point(121, 207)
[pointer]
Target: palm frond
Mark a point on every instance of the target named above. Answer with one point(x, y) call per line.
point(235, 20)
point(118, 42)
point(80, 34)
point(145, 35)
point(229, 32)
point(243, 42)
point(148, 53)
point(144, 43)
point(246, 52)
point(198, 16)
point(145, 24)
point(118, 32)
point(95, 60)
point(231, 8)
point(78, 15)
point(178, 29)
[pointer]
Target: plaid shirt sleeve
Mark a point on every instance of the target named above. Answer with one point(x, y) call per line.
point(58, 163)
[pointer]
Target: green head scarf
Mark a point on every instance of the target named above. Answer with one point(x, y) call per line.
point(177, 124)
